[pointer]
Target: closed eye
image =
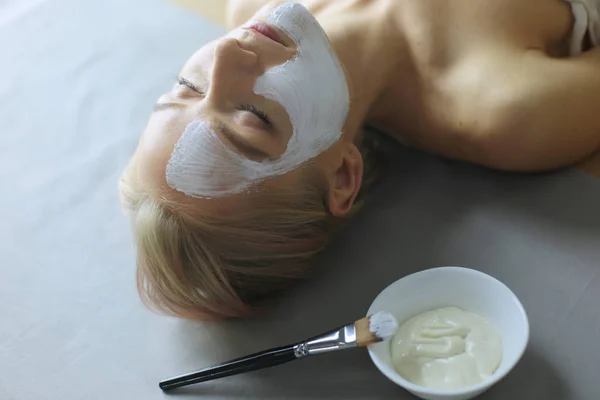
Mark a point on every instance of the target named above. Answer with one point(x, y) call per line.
point(185, 82)
point(260, 114)
point(243, 107)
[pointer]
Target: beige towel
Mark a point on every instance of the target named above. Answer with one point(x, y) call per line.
point(587, 20)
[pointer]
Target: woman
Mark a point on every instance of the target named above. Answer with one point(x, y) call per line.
point(253, 159)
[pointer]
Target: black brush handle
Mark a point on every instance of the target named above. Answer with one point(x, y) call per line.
point(253, 362)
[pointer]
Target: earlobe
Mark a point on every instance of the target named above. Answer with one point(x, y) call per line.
point(346, 183)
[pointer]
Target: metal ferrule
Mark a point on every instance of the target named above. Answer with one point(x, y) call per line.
point(338, 339)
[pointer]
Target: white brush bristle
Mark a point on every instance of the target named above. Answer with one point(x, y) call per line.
point(383, 325)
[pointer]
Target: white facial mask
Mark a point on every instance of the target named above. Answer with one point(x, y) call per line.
point(313, 90)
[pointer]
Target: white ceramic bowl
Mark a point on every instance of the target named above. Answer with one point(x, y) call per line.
point(465, 288)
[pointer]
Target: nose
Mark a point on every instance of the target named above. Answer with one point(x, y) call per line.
point(233, 67)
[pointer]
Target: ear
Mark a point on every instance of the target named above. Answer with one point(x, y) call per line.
point(346, 181)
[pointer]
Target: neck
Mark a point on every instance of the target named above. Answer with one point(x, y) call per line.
point(369, 47)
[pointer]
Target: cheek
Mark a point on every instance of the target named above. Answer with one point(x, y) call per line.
point(202, 166)
point(289, 181)
point(265, 12)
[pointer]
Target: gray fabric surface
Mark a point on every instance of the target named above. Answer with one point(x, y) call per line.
point(78, 80)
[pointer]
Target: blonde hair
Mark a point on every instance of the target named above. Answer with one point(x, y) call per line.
point(195, 264)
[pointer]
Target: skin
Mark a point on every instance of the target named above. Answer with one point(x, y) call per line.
point(486, 83)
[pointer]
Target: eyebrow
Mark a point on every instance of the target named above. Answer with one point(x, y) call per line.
point(165, 106)
point(240, 144)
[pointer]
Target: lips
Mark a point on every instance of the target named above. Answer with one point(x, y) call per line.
point(265, 30)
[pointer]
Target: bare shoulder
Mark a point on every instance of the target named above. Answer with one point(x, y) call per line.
point(524, 111)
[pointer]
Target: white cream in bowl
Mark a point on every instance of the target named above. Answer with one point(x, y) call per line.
point(446, 348)
point(469, 290)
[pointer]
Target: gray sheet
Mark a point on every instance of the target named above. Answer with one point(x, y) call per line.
point(78, 80)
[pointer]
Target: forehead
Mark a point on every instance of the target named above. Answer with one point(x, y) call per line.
point(154, 150)
point(205, 54)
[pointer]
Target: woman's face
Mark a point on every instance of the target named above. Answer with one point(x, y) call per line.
point(246, 108)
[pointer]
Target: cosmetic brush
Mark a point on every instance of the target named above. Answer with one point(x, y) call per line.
point(368, 330)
